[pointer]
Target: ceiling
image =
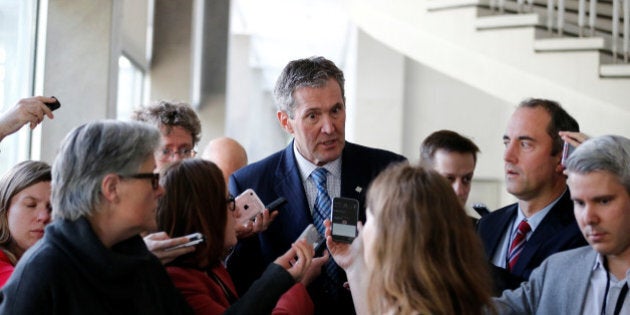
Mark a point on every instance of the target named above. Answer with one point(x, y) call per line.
point(284, 30)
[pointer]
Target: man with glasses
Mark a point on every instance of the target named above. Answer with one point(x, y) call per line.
point(179, 126)
point(180, 130)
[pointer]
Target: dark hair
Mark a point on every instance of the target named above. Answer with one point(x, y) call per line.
point(16, 179)
point(447, 140)
point(169, 115)
point(195, 201)
point(560, 120)
point(309, 72)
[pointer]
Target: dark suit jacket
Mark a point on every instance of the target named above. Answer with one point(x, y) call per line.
point(557, 232)
point(278, 176)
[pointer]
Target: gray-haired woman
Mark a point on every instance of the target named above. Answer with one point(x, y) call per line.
point(92, 259)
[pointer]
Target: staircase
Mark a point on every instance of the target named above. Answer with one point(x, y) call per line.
point(512, 50)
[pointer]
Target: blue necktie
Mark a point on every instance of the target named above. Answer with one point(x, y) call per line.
point(321, 212)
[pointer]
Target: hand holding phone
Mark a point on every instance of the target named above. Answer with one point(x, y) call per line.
point(312, 236)
point(344, 217)
point(248, 206)
point(193, 239)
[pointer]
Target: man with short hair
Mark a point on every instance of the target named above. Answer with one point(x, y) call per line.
point(592, 279)
point(316, 166)
point(179, 126)
point(454, 157)
point(180, 130)
point(518, 237)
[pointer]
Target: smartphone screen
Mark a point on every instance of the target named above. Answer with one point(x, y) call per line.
point(344, 217)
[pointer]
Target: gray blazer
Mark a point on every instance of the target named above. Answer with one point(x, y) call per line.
point(558, 286)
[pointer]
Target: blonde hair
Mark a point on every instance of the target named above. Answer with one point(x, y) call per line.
point(16, 179)
point(428, 256)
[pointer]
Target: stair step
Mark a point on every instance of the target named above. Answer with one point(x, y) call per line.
point(615, 71)
point(507, 21)
point(435, 5)
point(569, 44)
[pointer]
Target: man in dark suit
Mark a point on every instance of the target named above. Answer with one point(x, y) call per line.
point(518, 237)
point(311, 106)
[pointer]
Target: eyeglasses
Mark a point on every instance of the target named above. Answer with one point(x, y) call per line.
point(154, 177)
point(183, 153)
point(231, 203)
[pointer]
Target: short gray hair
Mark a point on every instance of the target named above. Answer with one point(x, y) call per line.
point(606, 153)
point(91, 151)
point(309, 72)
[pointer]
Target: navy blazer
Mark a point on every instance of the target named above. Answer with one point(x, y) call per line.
point(278, 176)
point(557, 232)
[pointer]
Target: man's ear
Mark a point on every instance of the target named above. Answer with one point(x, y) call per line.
point(109, 187)
point(559, 166)
point(283, 118)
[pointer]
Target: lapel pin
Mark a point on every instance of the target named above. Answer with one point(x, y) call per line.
point(359, 189)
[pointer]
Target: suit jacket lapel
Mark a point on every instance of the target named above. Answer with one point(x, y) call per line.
point(548, 228)
point(502, 223)
point(579, 285)
point(289, 185)
point(353, 178)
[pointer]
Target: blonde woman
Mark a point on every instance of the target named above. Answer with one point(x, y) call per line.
point(418, 253)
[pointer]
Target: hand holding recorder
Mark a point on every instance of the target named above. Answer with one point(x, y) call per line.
point(166, 249)
point(28, 110)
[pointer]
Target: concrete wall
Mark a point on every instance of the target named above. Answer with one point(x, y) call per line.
point(79, 67)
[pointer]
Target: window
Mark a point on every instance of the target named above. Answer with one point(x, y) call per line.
point(130, 87)
point(17, 62)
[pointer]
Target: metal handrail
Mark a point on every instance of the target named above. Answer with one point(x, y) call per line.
point(620, 9)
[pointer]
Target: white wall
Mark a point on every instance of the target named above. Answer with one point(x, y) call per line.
point(435, 101)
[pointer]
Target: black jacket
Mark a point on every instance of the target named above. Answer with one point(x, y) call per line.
point(69, 271)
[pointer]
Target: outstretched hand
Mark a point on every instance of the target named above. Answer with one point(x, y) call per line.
point(315, 269)
point(344, 253)
point(297, 259)
point(28, 110)
point(157, 243)
point(573, 138)
point(260, 223)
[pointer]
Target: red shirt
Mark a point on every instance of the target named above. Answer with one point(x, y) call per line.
point(6, 268)
point(206, 297)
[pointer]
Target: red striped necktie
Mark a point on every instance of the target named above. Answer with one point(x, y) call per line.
point(518, 243)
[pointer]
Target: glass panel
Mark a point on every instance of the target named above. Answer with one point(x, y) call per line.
point(130, 87)
point(17, 56)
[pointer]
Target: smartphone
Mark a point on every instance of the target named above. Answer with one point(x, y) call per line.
point(248, 206)
point(54, 105)
point(193, 239)
point(344, 217)
point(567, 149)
point(312, 237)
point(274, 205)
